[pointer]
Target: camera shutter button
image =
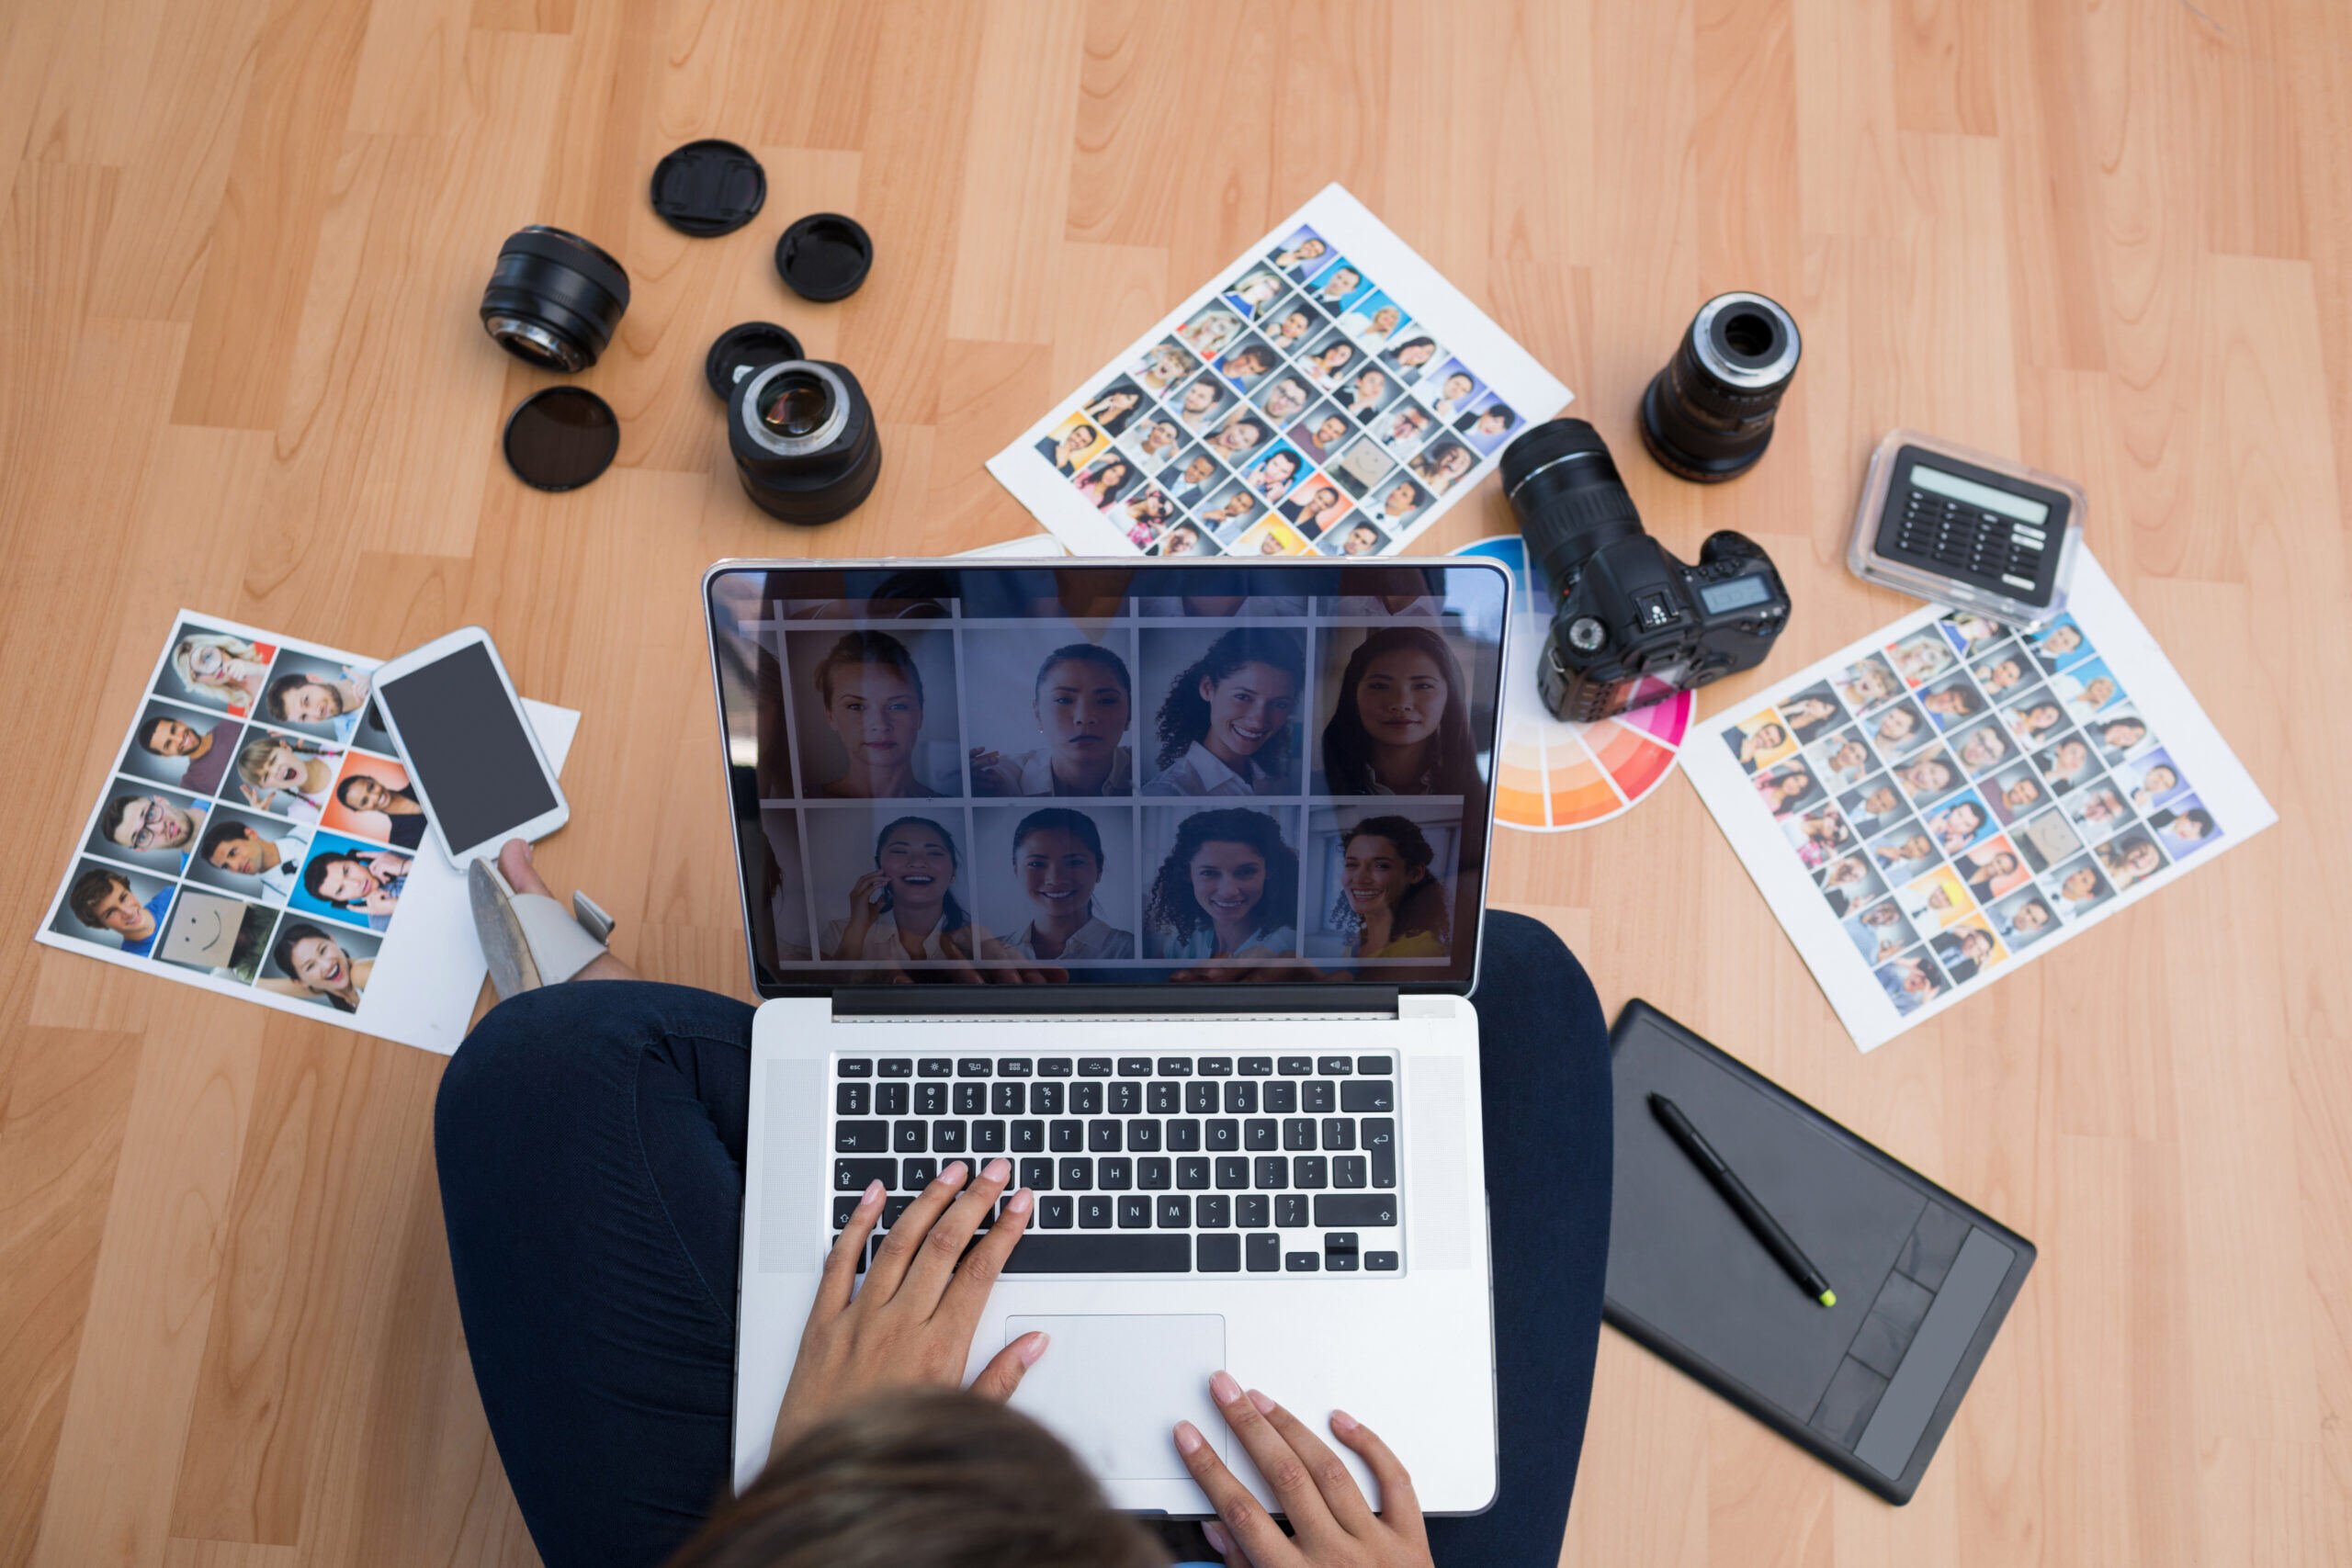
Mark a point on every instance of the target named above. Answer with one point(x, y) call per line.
point(1586, 633)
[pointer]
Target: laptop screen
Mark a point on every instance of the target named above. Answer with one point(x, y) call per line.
point(1139, 774)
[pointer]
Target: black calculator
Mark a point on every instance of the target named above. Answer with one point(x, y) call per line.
point(1966, 529)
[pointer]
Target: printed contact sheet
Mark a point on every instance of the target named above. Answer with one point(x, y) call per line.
point(1329, 393)
point(258, 835)
point(1948, 799)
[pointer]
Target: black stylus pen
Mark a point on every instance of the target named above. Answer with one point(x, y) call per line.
point(1757, 1218)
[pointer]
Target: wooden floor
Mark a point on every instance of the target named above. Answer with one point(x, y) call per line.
point(240, 370)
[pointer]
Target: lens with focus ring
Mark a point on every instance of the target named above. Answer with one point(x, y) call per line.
point(554, 299)
point(1708, 416)
point(804, 441)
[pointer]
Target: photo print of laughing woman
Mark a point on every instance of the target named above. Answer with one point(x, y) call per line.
point(886, 887)
point(1384, 882)
point(875, 713)
point(1226, 887)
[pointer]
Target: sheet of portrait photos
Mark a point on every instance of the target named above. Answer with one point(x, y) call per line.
point(259, 837)
point(1939, 802)
point(1328, 393)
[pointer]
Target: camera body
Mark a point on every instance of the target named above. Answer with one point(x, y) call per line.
point(1629, 617)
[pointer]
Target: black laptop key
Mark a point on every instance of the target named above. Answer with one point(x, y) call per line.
point(894, 1207)
point(908, 1137)
point(973, 1067)
point(1135, 1067)
point(1241, 1097)
point(1064, 1136)
point(1153, 1252)
point(854, 1067)
point(914, 1174)
point(1126, 1099)
point(1298, 1133)
point(1200, 1098)
point(862, 1137)
point(1376, 1096)
point(1094, 1066)
point(1319, 1097)
point(1335, 1066)
point(1037, 1173)
point(1143, 1136)
point(1085, 1100)
point(1054, 1066)
point(972, 1098)
point(1380, 1138)
point(1218, 1254)
point(1265, 1253)
point(1155, 1174)
point(1339, 1132)
point(1261, 1133)
point(1163, 1097)
point(1354, 1211)
point(1192, 1173)
point(1047, 1099)
point(1175, 1067)
point(987, 1137)
point(1055, 1213)
point(1257, 1067)
point(933, 1068)
point(1094, 1212)
point(1008, 1098)
point(1013, 1067)
point(1103, 1137)
point(1028, 1137)
point(1271, 1173)
point(1184, 1133)
point(1339, 1262)
point(1114, 1173)
point(1212, 1210)
point(1135, 1212)
point(1297, 1067)
point(1077, 1173)
point(1216, 1066)
point(1348, 1171)
point(894, 1068)
point(1302, 1262)
point(931, 1100)
point(1382, 1065)
point(891, 1099)
point(1310, 1171)
point(1282, 1099)
point(1253, 1211)
point(1223, 1133)
point(946, 1137)
point(1380, 1262)
point(1174, 1212)
point(1232, 1173)
point(1290, 1210)
point(845, 1205)
point(853, 1099)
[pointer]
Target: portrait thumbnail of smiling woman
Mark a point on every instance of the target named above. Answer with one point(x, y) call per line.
point(1052, 708)
point(874, 712)
point(1395, 712)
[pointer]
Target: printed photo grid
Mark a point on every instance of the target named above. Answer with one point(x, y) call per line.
point(1162, 784)
point(1316, 400)
point(256, 829)
point(1955, 797)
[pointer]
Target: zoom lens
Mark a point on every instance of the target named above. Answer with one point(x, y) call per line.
point(554, 299)
point(1708, 416)
point(1566, 490)
point(804, 441)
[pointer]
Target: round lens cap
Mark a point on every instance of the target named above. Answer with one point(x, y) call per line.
point(707, 188)
point(824, 256)
point(561, 437)
point(753, 345)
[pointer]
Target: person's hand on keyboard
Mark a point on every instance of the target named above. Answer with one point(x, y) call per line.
point(1334, 1526)
point(911, 1320)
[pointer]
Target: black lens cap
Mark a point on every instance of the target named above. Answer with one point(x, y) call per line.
point(741, 350)
point(561, 437)
point(707, 188)
point(824, 256)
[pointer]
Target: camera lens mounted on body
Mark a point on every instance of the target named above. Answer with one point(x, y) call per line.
point(1708, 416)
point(804, 440)
point(554, 299)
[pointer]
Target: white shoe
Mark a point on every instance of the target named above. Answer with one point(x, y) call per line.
point(529, 939)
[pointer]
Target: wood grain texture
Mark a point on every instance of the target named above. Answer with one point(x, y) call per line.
point(241, 247)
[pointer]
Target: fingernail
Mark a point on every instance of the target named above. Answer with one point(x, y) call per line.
point(1343, 1423)
point(998, 1170)
point(1034, 1347)
point(873, 1195)
point(1265, 1406)
point(1223, 1389)
point(1019, 1202)
point(1219, 1539)
point(954, 1173)
point(1187, 1437)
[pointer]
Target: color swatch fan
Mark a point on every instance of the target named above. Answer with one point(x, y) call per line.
point(1554, 776)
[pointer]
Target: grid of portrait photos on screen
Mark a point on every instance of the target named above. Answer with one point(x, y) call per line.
point(1965, 792)
point(1303, 409)
point(1142, 786)
point(257, 828)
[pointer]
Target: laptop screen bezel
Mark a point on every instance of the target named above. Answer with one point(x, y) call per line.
point(1241, 992)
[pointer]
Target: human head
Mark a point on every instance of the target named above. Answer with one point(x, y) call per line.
point(918, 860)
point(1182, 540)
point(971, 1479)
point(1496, 419)
point(203, 659)
point(2160, 780)
point(2062, 638)
point(1081, 698)
point(2081, 883)
point(143, 822)
point(1229, 863)
point(232, 847)
point(1953, 701)
point(1199, 469)
point(1401, 499)
point(1964, 820)
point(1292, 327)
point(1286, 397)
point(1341, 283)
point(1369, 385)
point(1202, 396)
point(1252, 360)
point(1241, 692)
point(1080, 438)
point(305, 699)
point(1768, 737)
point(2192, 826)
point(1281, 466)
point(2033, 914)
point(1456, 387)
point(167, 736)
point(1309, 249)
point(1331, 431)
point(104, 900)
point(364, 792)
point(2137, 854)
point(1057, 854)
point(1334, 359)
point(2122, 734)
point(1361, 541)
point(314, 960)
point(1414, 351)
point(872, 694)
point(1899, 723)
point(2041, 716)
point(2002, 672)
point(1239, 435)
point(1806, 711)
point(1385, 861)
point(1402, 689)
point(1929, 775)
point(268, 763)
point(1164, 433)
point(341, 879)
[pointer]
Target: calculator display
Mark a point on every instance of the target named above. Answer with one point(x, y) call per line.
point(1970, 492)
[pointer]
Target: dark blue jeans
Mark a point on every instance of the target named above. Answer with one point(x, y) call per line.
point(590, 1140)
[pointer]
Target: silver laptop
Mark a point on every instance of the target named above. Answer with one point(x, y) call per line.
point(1212, 840)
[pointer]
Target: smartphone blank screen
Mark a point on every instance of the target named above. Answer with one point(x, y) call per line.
point(465, 742)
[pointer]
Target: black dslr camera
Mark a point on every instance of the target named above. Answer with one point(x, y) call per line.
point(1626, 611)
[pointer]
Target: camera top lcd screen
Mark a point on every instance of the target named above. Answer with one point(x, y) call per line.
point(1127, 775)
point(1736, 593)
point(464, 737)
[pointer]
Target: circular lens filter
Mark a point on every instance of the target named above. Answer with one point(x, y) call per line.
point(707, 188)
point(561, 437)
point(741, 350)
point(824, 256)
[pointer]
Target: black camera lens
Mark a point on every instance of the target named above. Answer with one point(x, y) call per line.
point(554, 299)
point(1708, 416)
point(804, 441)
point(1569, 499)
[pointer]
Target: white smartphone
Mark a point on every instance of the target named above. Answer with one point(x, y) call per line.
point(478, 769)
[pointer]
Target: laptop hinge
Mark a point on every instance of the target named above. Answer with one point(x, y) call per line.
point(1097, 1002)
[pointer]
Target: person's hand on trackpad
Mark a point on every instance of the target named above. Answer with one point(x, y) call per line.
point(911, 1321)
point(1334, 1526)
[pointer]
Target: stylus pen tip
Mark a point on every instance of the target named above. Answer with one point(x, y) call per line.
point(1829, 1297)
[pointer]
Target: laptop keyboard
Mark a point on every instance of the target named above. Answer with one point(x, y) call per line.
point(1142, 1165)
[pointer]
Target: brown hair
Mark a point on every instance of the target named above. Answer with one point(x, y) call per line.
point(91, 889)
point(931, 1476)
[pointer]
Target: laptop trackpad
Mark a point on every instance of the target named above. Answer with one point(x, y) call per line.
point(1114, 1387)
